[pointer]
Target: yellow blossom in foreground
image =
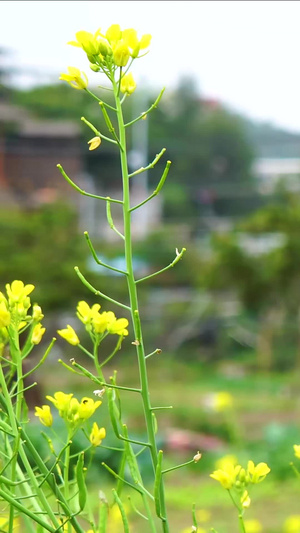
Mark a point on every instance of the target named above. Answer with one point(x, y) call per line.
point(134, 44)
point(253, 526)
point(87, 407)
point(121, 54)
point(75, 79)
point(4, 315)
point(297, 450)
point(223, 461)
point(94, 143)
point(37, 333)
point(17, 292)
point(113, 34)
point(86, 313)
point(128, 84)
point(87, 41)
point(226, 476)
point(257, 473)
point(44, 414)
point(292, 524)
point(118, 327)
point(61, 401)
point(97, 435)
point(69, 335)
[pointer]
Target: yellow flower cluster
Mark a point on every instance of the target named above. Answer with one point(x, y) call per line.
point(99, 323)
point(233, 476)
point(14, 311)
point(96, 324)
point(115, 47)
point(74, 413)
point(106, 52)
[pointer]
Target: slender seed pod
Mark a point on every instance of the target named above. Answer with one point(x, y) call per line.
point(157, 483)
point(122, 511)
point(80, 479)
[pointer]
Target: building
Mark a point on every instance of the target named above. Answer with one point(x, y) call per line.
point(29, 153)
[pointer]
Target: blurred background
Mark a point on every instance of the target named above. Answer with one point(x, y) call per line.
point(227, 317)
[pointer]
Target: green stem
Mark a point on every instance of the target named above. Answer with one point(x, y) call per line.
point(15, 427)
point(240, 511)
point(134, 300)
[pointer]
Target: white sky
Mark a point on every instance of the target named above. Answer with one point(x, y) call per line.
point(244, 53)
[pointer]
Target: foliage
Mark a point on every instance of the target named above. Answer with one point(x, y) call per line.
point(43, 246)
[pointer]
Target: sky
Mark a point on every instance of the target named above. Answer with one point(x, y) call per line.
point(243, 53)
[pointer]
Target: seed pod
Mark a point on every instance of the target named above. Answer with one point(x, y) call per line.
point(82, 491)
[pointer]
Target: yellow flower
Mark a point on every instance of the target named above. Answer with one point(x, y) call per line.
point(61, 401)
point(222, 401)
point(97, 435)
point(4, 315)
point(245, 500)
point(69, 335)
point(253, 526)
point(134, 44)
point(44, 414)
point(17, 292)
point(297, 450)
point(37, 333)
point(257, 473)
point(220, 463)
point(113, 34)
point(87, 407)
point(226, 476)
point(118, 327)
point(128, 84)
point(87, 41)
point(94, 143)
point(121, 54)
point(85, 313)
point(75, 79)
point(292, 524)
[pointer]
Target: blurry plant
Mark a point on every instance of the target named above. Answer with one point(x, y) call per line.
point(292, 524)
point(49, 236)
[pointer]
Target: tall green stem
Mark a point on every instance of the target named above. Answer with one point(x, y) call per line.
point(134, 309)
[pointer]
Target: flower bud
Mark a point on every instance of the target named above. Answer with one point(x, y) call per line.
point(69, 335)
point(37, 314)
point(44, 414)
point(94, 143)
point(121, 54)
point(95, 68)
point(128, 84)
point(37, 333)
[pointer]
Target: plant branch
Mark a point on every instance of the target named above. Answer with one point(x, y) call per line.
point(81, 191)
point(177, 258)
point(148, 167)
point(157, 190)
